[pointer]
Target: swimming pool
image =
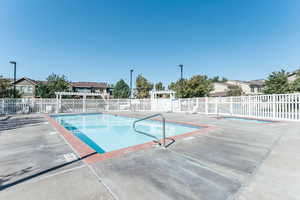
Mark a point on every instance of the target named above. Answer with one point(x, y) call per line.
point(105, 132)
point(248, 120)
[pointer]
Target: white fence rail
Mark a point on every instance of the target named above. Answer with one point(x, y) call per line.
point(275, 107)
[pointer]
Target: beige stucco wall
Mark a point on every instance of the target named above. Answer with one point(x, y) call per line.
point(26, 84)
point(292, 78)
point(219, 87)
point(245, 86)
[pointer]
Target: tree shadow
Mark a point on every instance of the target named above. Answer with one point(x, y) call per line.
point(26, 170)
point(14, 123)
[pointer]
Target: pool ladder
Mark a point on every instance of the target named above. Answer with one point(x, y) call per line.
point(149, 135)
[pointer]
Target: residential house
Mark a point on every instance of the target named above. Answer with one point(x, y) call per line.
point(242, 84)
point(92, 87)
point(293, 75)
point(254, 87)
point(220, 89)
point(27, 87)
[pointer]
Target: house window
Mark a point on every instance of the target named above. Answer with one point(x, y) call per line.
point(259, 89)
point(252, 89)
point(29, 89)
point(22, 89)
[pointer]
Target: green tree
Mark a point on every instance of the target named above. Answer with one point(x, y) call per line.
point(215, 79)
point(172, 86)
point(295, 85)
point(143, 86)
point(6, 91)
point(218, 80)
point(9, 93)
point(277, 83)
point(159, 86)
point(234, 90)
point(55, 83)
point(196, 86)
point(121, 90)
point(224, 80)
point(4, 85)
point(43, 91)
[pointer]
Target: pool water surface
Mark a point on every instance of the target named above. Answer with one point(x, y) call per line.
point(105, 132)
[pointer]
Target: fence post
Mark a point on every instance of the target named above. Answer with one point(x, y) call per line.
point(2, 106)
point(57, 104)
point(179, 104)
point(249, 105)
point(274, 106)
point(216, 105)
point(171, 105)
point(231, 105)
point(206, 105)
point(84, 103)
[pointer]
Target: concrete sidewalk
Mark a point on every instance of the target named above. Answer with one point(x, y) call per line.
point(36, 163)
point(238, 160)
point(279, 175)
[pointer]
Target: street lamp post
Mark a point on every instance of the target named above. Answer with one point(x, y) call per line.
point(131, 88)
point(181, 78)
point(131, 83)
point(181, 71)
point(15, 72)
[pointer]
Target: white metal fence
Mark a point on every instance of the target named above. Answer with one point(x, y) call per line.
point(276, 107)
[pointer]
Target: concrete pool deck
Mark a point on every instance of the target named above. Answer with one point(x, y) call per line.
point(237, 160)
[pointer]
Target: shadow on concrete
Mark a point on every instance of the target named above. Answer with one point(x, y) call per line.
point(8, 177)
point(3, 187)
point(14, 123)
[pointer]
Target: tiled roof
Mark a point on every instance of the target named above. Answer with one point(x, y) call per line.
point(90, 84)
point(238, 81)
point(257, 82)
point(74, 84)
point(28, 79)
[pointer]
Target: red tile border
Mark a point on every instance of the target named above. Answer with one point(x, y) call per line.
point(83, 150)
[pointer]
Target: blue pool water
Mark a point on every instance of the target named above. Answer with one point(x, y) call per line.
point(105, 133)
point(248, 120)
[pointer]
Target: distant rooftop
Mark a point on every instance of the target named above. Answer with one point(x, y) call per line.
point(74, 84)
point(89, 84)
point(259, 82)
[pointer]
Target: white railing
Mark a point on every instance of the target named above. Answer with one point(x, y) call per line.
point(275, 107)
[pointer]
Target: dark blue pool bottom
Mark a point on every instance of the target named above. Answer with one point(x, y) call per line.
point(83, 138)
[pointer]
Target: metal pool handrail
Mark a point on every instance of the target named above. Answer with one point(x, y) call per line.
point(147, 134)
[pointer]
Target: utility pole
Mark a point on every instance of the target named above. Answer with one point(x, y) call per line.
point(15, 75)
point(181, 79)
point(181, 71)
point(131, 83)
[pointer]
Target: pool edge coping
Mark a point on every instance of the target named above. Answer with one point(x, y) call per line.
point(83, 149)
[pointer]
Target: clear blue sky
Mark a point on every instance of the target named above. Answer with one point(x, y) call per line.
point(97, 40)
